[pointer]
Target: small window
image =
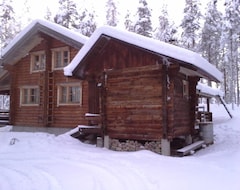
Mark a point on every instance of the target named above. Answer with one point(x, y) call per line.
point(185, 89)
point(70, 94)
point(29, 96)
point(38, 61)
point(60, 57)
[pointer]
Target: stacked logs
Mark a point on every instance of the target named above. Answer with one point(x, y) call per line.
point(131, 145)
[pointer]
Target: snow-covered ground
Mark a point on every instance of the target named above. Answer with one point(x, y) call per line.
point(40, 161)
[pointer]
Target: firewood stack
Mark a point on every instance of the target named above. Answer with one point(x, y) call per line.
point(131, 145)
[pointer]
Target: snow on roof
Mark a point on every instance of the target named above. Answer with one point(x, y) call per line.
point(53, 26)
point(203, 88)
point(157, 46)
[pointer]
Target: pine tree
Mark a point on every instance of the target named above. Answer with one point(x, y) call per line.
point(211, 35)
point(26, 12)
point(231, 35)
point(48, 15)
point(143, 25)
point(166, 30)
point(191, 24)
point(87, 24)
point(8, 27)
point(112, 13)
point(128, 23)
point(67, 15)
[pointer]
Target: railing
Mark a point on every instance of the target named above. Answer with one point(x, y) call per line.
point(204, 116)
point(4, 117)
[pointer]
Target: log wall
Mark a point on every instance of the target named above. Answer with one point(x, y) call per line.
point(143, 99)
point(134, 104)
point(62, 116)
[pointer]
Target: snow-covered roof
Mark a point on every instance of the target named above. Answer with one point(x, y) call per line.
point(184, 55)
point(208, 90)
point(19, 46)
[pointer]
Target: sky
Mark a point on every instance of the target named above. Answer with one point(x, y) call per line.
point(38, 10)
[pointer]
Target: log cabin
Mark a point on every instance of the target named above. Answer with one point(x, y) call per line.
point(143, 90)
point(40, 94)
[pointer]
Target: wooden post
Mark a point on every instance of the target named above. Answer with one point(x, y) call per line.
point(103, 102)
point(208, 105)
point(164, 97)
point(224, 104)
point(106, 142)
point(165, 147)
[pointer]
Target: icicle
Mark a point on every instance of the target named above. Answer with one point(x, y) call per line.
point(166, 61)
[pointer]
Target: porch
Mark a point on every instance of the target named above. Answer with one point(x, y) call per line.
point(4, 117)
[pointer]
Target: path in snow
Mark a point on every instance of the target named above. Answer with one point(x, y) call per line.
point(38, 161)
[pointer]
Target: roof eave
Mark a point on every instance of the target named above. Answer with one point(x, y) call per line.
point(31, 38)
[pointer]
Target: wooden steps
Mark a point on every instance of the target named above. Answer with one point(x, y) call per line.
point(87, 133)
point(188, 149)
point(4, 117)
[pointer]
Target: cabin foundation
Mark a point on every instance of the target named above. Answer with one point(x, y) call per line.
point(206, 132)
point(135, 145)
point(166, 150)
point(106, 142)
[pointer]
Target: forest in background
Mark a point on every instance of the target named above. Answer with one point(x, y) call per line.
point(215, 34)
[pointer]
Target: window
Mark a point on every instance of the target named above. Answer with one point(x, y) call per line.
point(38, 61)
point(60, 57)
point(29, 96)
point(70, 94)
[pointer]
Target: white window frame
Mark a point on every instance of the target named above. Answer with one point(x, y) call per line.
point(60, 50)
point(25, 99)
point(68, 99)
point(32, 64)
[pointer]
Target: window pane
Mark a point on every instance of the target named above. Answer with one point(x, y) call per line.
point(61, 57)
point(69, 94)
point(58, 61)
point(30, 96)
point(33, 98)
point(74, 94)
point(42, 62)
point(65, 58)
point(25, 96)
point(38, 62)
point(63, 94)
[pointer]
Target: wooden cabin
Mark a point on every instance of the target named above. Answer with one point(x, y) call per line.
point(144, 90)
point(40, 94)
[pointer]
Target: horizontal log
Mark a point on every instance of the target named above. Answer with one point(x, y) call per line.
point(123, 105)
point(141, 137)
point(130, 70)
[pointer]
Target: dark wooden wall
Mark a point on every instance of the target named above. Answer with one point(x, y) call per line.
point(133, 104)
point(142, 100)
point(179, 108)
